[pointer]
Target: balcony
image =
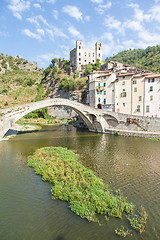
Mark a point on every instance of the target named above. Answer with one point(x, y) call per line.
point(99, 88)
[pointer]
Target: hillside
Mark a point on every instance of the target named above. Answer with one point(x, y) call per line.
point(147, 59)
point(19, 81)
point(23, 82)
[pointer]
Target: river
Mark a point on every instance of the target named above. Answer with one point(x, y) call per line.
point(27, 211)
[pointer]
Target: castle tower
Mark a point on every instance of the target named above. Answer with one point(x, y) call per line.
point(79, 46)
point(98, 51)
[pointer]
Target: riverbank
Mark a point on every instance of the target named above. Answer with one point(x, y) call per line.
point(131, 133)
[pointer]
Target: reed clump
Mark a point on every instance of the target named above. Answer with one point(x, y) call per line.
point(86, 194)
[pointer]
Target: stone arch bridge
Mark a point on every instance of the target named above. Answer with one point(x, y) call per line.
point(95, 119)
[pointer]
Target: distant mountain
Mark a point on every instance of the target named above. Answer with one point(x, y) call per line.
point(147, 59)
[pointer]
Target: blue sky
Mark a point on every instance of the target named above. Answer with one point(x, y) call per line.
point(39, 30)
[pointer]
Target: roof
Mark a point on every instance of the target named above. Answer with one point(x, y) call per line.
point(106, 71)
point(104, 75)
point(156, 75)
point(116, 80)
point(125, 74)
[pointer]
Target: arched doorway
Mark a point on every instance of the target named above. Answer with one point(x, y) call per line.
point(99, 106)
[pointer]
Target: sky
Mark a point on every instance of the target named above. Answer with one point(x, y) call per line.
point(40, 30)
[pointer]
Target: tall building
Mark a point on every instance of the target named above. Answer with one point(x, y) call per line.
point(101, 90)
point(152, 95)
point(80, 56)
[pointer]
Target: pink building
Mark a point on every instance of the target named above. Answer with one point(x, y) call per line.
point(152, 95)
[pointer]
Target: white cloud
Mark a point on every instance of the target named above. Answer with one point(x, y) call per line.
point(149, 37)
point(37, 5)
point(4, 34)
point(155, 13)
point(107, 36)
point(18, 6)
point(51, 1)
point(46, 56)
point(73, 11)
point(45, 59)
point(138, 13)
point(55, 14)
point(51, 33)
point(133, 25)
point(58, 32)
point(75, 33)
point(37, 19)
point(28, 33)
point(112, 23)
point(87, 18)
point(102, 7)
point(41, 31)
point(97, 1)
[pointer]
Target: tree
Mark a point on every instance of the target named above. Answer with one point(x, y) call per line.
point(88, 69)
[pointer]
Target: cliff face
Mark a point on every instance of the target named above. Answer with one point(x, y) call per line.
point(64, 86)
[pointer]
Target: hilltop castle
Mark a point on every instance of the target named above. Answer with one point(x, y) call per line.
point(80, 56)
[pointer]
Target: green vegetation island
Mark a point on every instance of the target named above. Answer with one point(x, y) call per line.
point(87, 195)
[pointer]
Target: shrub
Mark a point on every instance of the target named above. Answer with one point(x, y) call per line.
point(25, 62)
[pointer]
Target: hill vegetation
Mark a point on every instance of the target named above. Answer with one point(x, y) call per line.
point(147, 59)
point(19, 81)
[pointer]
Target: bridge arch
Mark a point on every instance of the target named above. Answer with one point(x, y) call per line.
point(12, 115)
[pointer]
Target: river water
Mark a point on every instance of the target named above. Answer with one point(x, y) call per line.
point(27, 211)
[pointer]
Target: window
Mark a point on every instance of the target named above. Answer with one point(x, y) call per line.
point(134, 81)
point(89, 54)
point(99, 100)
point(124, 104)
point(99, 54)
point(104, 92)
point(100, 92)
point(104, 78)
point(104, 101)
point(79, 47)
point(123, 77)
point(97, 92)
point(151, 88)
point(123, 90)
point(79, 54)
point(99, 48)
point(85, 54)
point(123, 94)
point(93, 61)
point(138, 108)
point(99, 84)
point(135, 89)
point(104, 84)
point(85, 60)
point(151, 98)
point(151, 80)
point(79, 59)
point(123, 83)
point(147, 108)
point(140, 98)
point(93, 54)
